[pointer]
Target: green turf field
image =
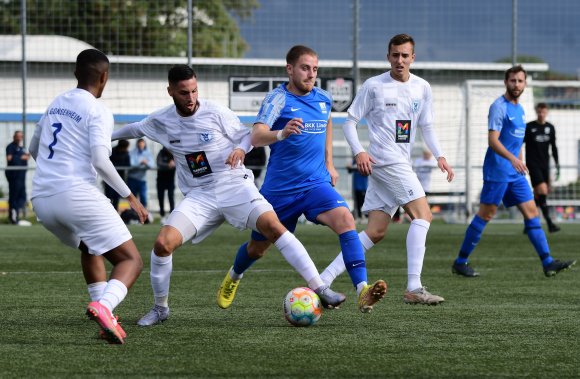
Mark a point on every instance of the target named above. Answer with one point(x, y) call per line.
point(510, 322)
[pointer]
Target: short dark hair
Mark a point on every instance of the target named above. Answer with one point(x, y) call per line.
point(296, 52)
point(180, 72)
point(542, 106)
point(400, 39)
point(515, 70)
point(91, 63)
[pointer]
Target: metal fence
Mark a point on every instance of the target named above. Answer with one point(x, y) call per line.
point(458, 43)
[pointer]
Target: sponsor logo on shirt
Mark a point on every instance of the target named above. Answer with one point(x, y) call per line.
point(403, 131)
point(390, 104)
point(314, 126)
point(198, 164)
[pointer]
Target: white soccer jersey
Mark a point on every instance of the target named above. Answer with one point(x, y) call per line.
point(393, 110)
point(200, 145)
point(74, 123)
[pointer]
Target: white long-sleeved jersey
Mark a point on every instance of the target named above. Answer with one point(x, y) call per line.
point(200, 144)
point(394, 110)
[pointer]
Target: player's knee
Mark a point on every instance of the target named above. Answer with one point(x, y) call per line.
point(376, 235)
point(343, 221)
point(162, 247)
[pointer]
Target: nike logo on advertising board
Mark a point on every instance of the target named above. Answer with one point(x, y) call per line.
point(246, 87)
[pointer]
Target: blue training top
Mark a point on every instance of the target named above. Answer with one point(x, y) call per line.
point(509, 120)
point(297, 163)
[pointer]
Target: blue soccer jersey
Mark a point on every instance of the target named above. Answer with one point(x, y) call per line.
point(508, 119)
point(298, 162)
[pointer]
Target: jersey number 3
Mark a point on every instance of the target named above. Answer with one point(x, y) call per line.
point(57, 128)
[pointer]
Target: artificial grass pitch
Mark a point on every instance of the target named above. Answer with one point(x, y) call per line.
point(510, 322)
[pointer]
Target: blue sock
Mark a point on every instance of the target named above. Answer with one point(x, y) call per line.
point(354, 256)
point(243, 260)
point(472, 237)
point(538, 239)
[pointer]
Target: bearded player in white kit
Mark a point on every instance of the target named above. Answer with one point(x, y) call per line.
point(71, 144)
point(395, 104)
point(209, 143)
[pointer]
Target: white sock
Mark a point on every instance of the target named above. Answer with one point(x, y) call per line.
point(114, 293)
point(295, 253)
point(96, 290)
point(235, 276)
point(161, 268)
point(359, 287)
point(416, 238)
point(337, 266)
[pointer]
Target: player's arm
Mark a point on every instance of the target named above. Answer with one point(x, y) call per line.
point(363, 160)
point(35, 142)
point(555, 151)
point(104, 167)
point(495, 144)
point(432, 143)
point(328, 154)
point(128, 131)
point(262, 135)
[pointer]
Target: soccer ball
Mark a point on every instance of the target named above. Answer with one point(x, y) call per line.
point(302, 307)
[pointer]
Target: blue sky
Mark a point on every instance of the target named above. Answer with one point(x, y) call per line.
point(444, 30)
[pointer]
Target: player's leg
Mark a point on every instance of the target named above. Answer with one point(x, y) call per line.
point(94, 271)
point(325, 206)
point(172, 235)
point(541, 190)
point(421, 216)
point(521, 196)
point(267, 230)
point(491, 196)
point(378, 222)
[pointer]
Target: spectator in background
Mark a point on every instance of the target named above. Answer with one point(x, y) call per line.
point(540, 135)
point(120, 158)
point(359, 189)
point(17, 157)
point(165, 181)
point(141, 161)
point(256, 160)
point(423, 167)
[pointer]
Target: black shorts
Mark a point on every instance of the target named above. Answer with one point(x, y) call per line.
point(539, 175)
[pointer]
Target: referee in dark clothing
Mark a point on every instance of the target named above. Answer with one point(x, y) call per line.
point(540, 135)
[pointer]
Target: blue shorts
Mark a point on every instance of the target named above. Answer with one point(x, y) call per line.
point(511, 193)
point(309, 203)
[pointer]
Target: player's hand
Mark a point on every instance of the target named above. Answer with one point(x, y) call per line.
point(138, 207)
point(364, 162)
point(333, 174)
point(236, 158)
point(293, 126)
point(519, 166)
point(445, 167)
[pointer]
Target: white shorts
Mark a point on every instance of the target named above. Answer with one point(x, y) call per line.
point(206, 214)
point(390, 187)
point(82, 214)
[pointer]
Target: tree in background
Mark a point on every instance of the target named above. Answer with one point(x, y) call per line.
point(137, 27)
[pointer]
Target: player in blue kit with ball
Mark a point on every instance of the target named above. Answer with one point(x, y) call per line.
point(294, 120)
point(504, 178)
